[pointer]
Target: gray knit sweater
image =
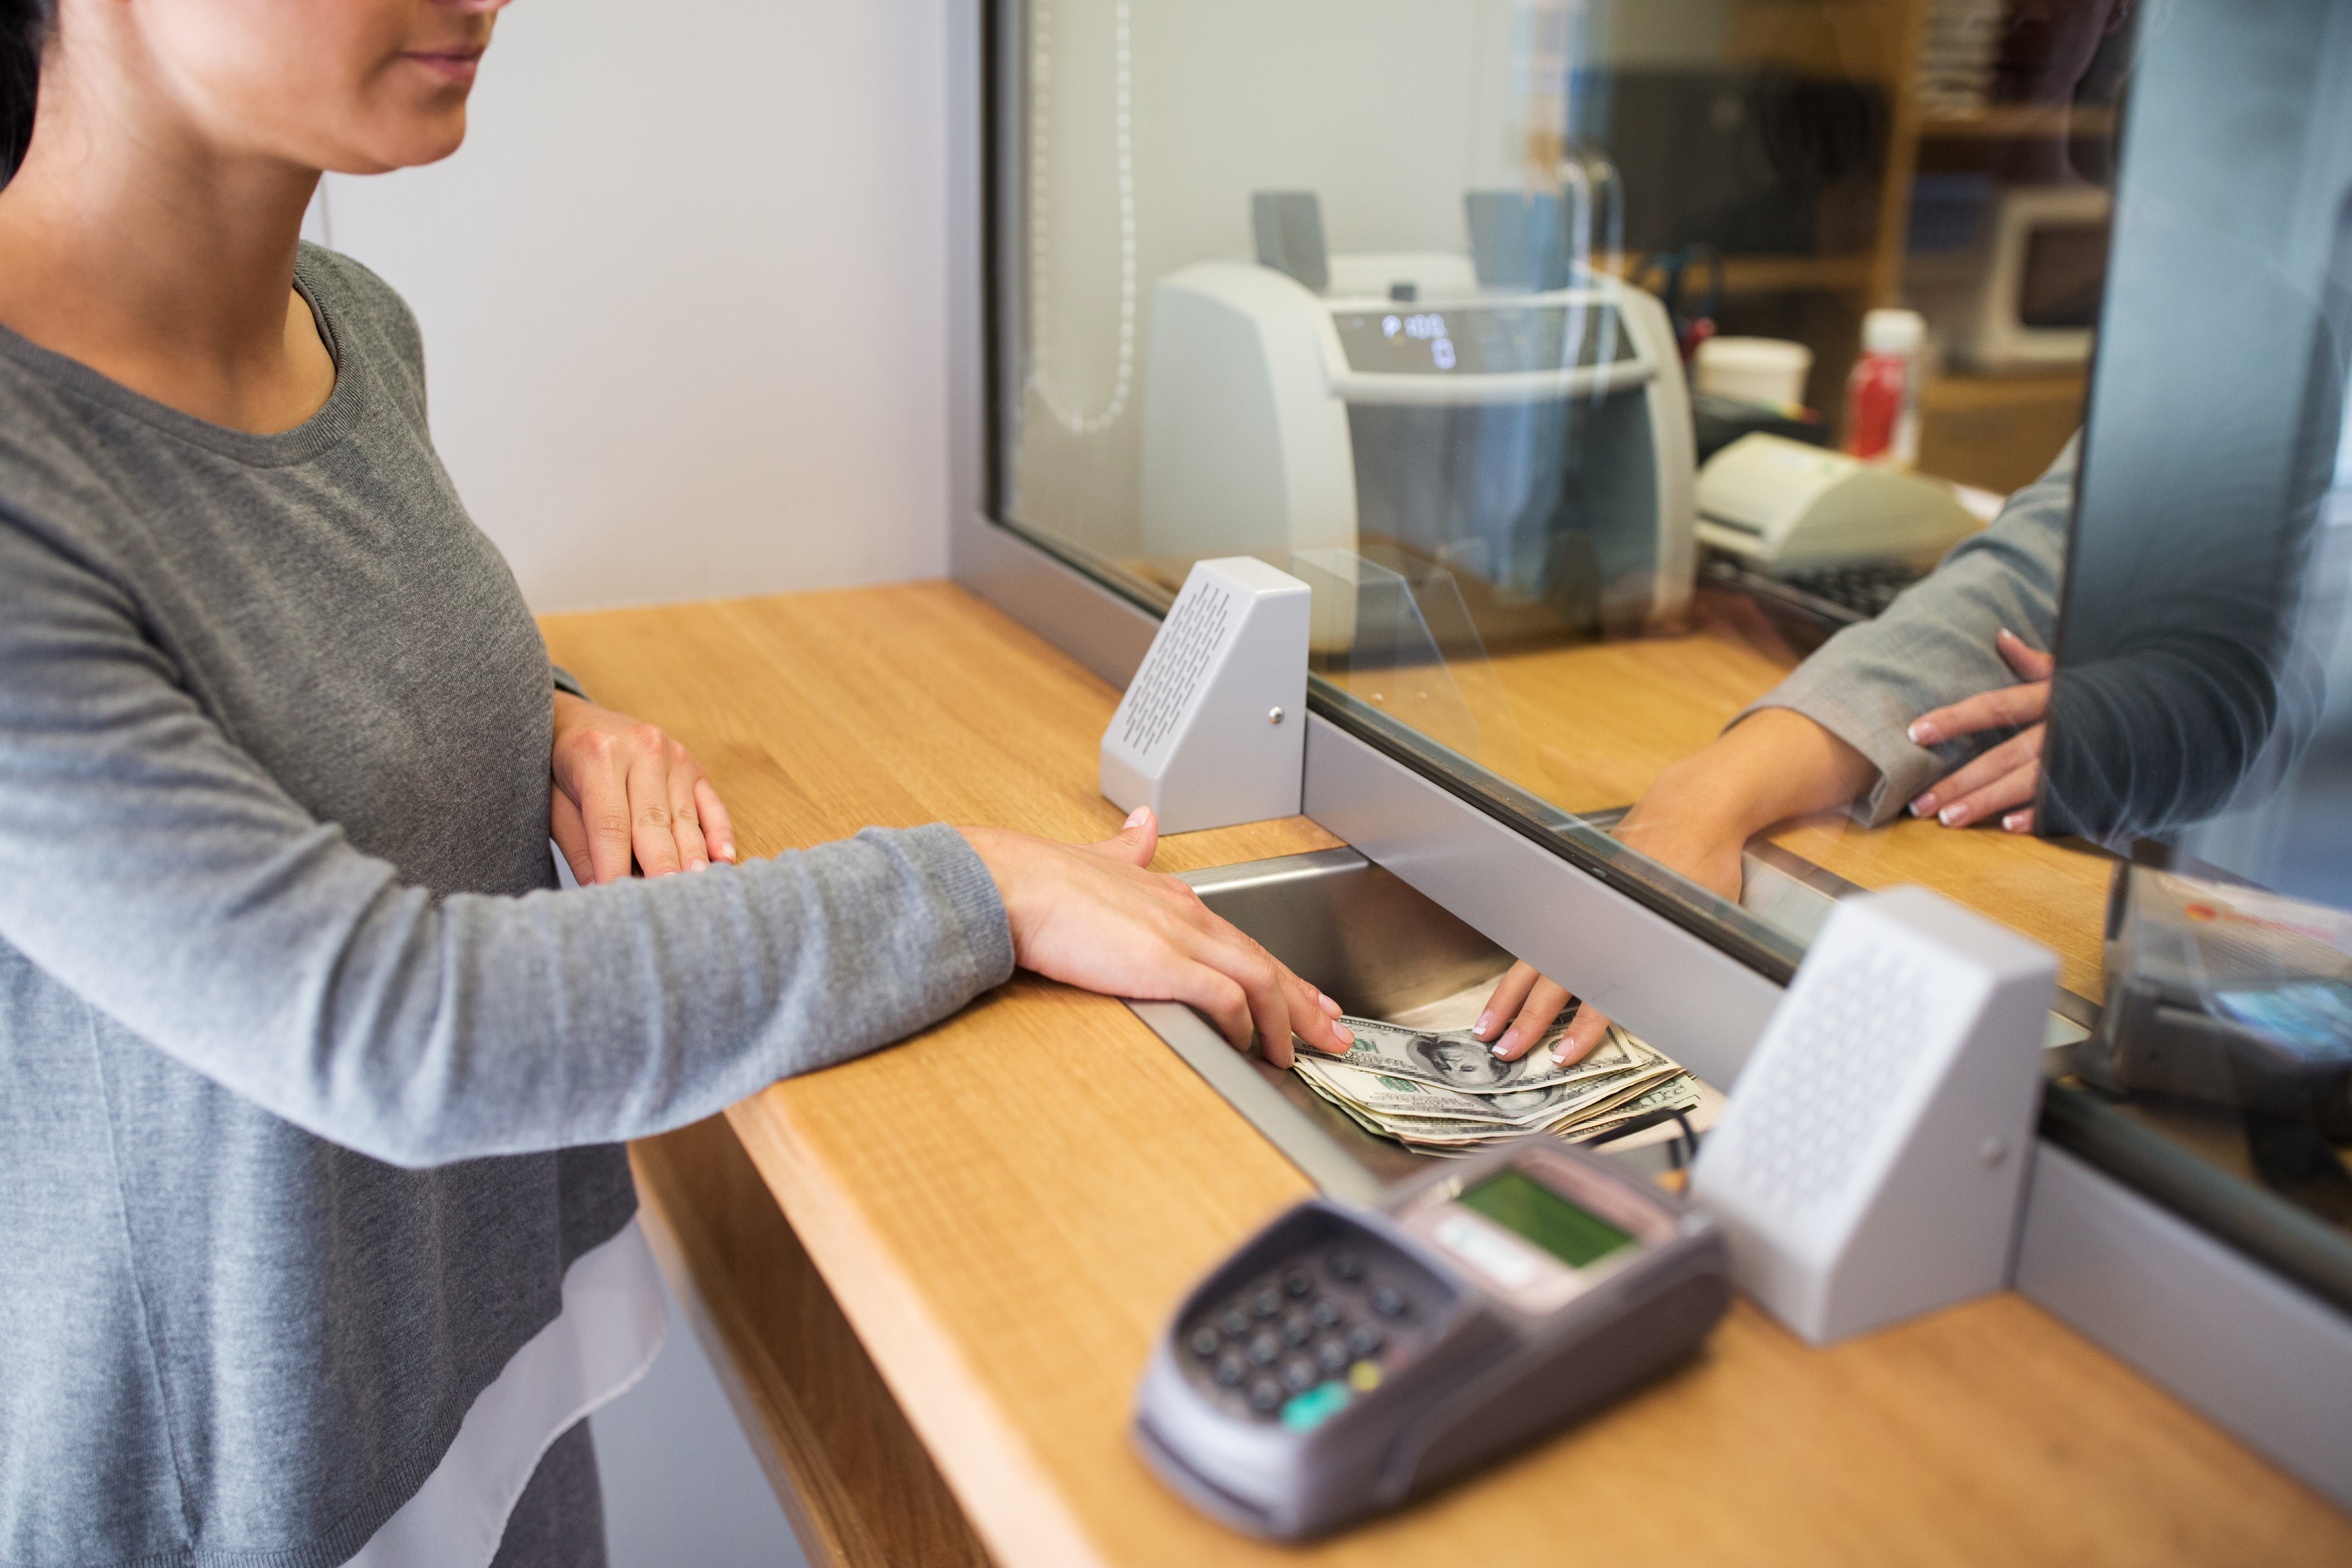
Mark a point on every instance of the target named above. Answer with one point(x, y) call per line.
point(307, 1087)
point(1936, 644)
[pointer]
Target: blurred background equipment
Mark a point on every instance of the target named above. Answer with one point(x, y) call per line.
point(1959, 49)
point(1787, 508)
point(2227, 995)
point(1533, 442)
point(1689, 283)
point(1742, 386)
point(1769, 370)
point(2014, 282)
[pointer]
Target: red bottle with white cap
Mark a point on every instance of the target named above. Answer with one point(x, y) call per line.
point(1882, 397)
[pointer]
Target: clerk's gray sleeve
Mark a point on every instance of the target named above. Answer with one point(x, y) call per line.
point(1934, 645)
point(154, 868)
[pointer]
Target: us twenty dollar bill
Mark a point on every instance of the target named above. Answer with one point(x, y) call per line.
point(1385, 1097)
point(1597, 1108)
point(1457, 1059)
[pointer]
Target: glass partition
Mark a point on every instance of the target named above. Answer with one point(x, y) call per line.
point(1527, 331)
point(1671, 405)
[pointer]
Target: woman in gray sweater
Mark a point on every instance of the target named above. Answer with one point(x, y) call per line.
point(310, 1086)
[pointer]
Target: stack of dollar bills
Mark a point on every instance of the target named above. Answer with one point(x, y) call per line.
point(1447, 1092)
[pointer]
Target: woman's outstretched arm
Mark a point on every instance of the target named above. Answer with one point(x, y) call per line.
point(156, 870)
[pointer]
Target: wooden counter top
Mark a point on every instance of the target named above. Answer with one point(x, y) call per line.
point(1003, 1207)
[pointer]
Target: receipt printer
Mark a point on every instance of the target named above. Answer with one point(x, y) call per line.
point(1783, 507)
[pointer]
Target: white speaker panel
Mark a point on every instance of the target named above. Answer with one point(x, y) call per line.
point(1212, 729)
point(1871, 1162)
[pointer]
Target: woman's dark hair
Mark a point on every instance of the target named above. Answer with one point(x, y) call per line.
point(24, 27)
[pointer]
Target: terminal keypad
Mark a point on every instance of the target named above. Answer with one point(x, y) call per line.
point(1296, 1344)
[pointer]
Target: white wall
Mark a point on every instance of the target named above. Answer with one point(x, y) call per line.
point(684, 295)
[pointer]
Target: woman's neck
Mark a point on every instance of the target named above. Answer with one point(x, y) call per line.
point(161, 262)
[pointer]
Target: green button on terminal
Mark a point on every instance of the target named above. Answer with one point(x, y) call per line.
point(1316, 1405)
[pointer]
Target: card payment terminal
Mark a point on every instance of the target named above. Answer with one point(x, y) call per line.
point(1344, 1360)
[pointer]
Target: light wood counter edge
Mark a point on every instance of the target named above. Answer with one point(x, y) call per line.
point(1005, 1491)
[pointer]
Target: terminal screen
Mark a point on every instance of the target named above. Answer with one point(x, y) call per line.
point(1526, 1207)
point(1479, 339)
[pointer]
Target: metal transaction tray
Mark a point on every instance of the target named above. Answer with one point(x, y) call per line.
point(1375, 946)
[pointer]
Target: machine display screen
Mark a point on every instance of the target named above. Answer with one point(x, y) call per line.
point(1520, 1204)
point(1472, 338)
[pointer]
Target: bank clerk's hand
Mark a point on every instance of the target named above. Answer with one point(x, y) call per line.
point(2004, 778)
point(1683, 827)
point(626, 791)
point(1771, 766)
point(1090, 915)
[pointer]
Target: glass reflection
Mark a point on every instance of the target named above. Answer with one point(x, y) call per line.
point(1677, 411)
point(1480, 311)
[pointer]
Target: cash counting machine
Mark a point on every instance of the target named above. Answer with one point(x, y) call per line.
point(1524, 428)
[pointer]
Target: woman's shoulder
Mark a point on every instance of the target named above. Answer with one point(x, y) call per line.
point(364, 316)
point(351, 282)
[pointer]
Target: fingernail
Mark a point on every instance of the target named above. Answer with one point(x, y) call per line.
point(2009, 635)
point(1510, 1037)
point(1486, 1022)
point(1924, 804)
point(1953, 814)
point(1135, 818)
point(1923, 733)
point(1347, 1036)
point(2015, 821)
point(727, 852)
point(698, 864)
point(1559, 1059)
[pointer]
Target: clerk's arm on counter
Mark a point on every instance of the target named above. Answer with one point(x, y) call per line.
point(1934, 705)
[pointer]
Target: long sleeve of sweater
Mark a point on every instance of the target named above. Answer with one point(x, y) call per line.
point(1934, 645)
point(155, 869)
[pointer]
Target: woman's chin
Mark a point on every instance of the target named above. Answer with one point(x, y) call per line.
point(407, 146)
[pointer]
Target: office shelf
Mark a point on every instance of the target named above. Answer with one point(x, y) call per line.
point(2002, 121)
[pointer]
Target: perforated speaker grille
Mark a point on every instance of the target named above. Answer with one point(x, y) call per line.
point(1810, 1111)
point(1187, 645)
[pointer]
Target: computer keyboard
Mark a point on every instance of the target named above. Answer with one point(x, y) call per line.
point(1865, 590)
point(1838, 596)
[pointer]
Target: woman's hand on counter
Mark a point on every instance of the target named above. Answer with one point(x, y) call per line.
point(625, 790)
point(1091, 916)
point(1696, 819)
point(2004, 778)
